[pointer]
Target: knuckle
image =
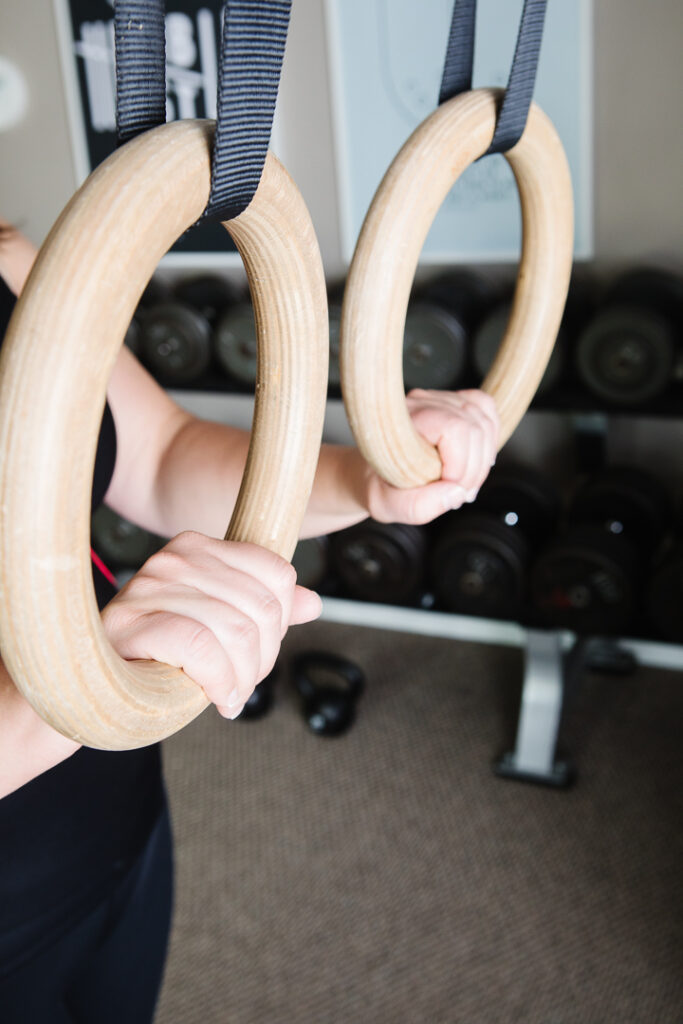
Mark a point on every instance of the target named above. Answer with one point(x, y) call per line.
point(116, 618)
point(187, 545)
point(144, 583)
point(167, 563)
point(472, 409)
point(202, 645)
point(247, 634)
point(455, 427)
point(488, 403)
point(185, 540)
point(271, 611)
point(205, 662)
point(284, 575)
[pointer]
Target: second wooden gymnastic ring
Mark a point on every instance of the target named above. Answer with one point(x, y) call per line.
point(384, 263)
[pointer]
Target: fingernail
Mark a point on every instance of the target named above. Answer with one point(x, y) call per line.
point(235, 714)
point(234, 698)
point(453, 498)
point(471, 495)
point(494, 461)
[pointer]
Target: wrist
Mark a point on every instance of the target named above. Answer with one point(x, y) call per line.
point(356, 474)
point(340, 493)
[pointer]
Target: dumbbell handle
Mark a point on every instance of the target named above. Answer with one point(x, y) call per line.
point(381, 275)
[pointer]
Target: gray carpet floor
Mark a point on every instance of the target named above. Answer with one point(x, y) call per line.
point(388, 877)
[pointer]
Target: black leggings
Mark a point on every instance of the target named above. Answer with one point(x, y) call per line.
point(107, 969)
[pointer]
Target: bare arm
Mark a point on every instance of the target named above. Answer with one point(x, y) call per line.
point(176, 472)
point(28, 746)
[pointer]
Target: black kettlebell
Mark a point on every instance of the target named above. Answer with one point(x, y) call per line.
point(328, 709)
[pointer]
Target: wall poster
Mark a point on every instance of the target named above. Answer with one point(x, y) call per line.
point(386, 60)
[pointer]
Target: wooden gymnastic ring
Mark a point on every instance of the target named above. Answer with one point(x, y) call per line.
point(383, 266)
point(61, 345)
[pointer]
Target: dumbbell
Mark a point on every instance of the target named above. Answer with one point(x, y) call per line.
point(487, 339)
point(590, 578)
point(630, 352)
point(175, 343)
point(236, 344)
point(481, 555)
point(132, 336)
point(121, 543)
point(329, 687)
point(380, 562)
point(156, 293)
point(334, 308)
point(440, 318)
point(469, 294)
point(434, 347)
point(664, 592)
point(489, 334)
point(207, 294)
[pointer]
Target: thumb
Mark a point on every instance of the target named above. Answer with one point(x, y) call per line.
point(420, 505)
point(306, 606)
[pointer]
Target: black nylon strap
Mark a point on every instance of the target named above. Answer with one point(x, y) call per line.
point(140, 46)
point(457, 74)
point(252, 49)
point(457, 69)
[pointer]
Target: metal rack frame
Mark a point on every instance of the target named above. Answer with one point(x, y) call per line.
point(553, 663)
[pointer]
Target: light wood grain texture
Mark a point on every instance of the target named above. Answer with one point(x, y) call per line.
point(381, 275)
point(59, 351)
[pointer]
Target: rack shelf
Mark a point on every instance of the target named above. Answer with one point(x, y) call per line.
point(449, 626)
point(572, 402)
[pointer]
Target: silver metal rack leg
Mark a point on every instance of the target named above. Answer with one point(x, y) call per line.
point(533, 758)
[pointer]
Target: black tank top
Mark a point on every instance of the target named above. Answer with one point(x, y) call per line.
point(70, 834)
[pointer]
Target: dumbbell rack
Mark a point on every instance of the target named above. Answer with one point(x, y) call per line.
point(553, 659)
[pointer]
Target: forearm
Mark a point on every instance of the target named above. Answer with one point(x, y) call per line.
point(339, 495)
point(200, 472)
point(28, 745)
point(198, 478)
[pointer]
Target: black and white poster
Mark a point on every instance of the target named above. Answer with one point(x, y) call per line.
point(386, 60)
point(86, 29)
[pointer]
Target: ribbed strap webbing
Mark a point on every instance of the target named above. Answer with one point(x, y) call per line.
point(252, 48)
point(250, 61)
point(457, 73)
point(140, 45)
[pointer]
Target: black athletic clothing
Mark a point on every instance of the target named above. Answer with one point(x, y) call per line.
point(105, 458)
point(7, 301)
point(107, 969)
point(72, 838)
point(68, 837)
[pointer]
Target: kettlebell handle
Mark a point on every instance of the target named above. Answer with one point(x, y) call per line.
point(325, 661)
